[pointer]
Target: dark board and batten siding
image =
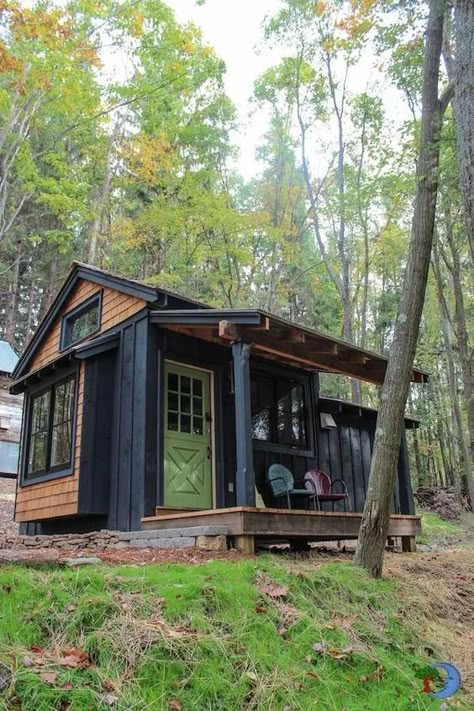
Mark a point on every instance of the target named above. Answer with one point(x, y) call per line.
point(345, 453)
point(134, 442)
point(96, 442)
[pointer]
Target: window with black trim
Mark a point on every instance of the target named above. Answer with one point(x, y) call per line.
point(81, 322)
point(279, 411)
point(51, 424)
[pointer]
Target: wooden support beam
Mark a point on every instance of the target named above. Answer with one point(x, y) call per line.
point(408, 544)
point(245, 475)
point(245, 544)
point(293, 335)
point(229, 331)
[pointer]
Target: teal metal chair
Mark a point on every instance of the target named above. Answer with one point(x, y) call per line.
point(281, 485)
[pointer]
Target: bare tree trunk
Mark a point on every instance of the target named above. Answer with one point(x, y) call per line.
point(101, 198)
point(464, 108)
point(12, 301)
point(52, 285)
point(466, 353)
point(446, 329)
point(376, 517)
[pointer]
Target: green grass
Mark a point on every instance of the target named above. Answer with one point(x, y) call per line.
point(437, 531)
point(218, 642)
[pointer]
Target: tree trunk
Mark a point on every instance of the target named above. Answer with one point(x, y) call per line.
point(376, 517)
point(459, 427)
point(12, 300)
point(465, 351)
point(101, 198)
point(464, 108)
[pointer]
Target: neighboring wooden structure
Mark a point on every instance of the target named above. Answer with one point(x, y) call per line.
point(10, 414)
point(139, 401)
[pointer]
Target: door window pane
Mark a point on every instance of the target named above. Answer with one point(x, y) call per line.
point(173, 402)
point(173, 382)
point(185, 423)
point(197, 425)
point(173, 421)
point(186, 404)
point(197, 405)
point(185, 384)
point(197, 387)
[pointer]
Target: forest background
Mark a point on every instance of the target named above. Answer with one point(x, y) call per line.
point(119, 147)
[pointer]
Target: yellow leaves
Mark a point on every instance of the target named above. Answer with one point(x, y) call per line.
point(188, 47)
point(9, 63)
point(149, 156)
point(320, 8)
point(49, 26)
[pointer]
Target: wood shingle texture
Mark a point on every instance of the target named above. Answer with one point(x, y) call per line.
point(59, 497)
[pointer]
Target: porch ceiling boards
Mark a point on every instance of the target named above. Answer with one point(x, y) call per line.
point(277, 339)
point(275, 524)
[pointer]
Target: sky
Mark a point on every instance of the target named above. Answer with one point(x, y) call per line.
point(234, 29)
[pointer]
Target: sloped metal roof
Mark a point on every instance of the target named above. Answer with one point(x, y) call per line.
point(8, 358)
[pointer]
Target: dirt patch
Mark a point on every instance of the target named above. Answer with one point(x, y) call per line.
point(7, 504)
point(126, 556)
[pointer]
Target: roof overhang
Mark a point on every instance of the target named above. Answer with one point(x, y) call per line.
point(89, 349)
point(277, 339)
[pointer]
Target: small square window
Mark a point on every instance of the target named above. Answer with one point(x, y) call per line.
point(81, 322)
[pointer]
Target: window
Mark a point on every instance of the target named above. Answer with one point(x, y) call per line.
point(279, 411)
point(185, 404)
point(51, 429)
point(81, 322)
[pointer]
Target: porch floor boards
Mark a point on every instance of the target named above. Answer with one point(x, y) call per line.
point(281, 524)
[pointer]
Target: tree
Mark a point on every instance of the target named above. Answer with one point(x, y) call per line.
point(464, 108)
point(376, 516)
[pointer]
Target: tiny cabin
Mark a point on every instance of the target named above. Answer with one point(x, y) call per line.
point(143, 408)
point(11, 407)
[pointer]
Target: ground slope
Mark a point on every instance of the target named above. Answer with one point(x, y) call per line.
point(270, 632)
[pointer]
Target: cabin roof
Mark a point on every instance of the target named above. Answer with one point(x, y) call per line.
point(277, 338)
point(273, 337)
point(8, 358)
point(150, 294)
point(334, 405)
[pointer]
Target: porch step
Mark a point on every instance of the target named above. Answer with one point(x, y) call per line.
point(169, 538)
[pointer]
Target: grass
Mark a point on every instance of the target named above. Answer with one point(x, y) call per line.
point(437, 531)
point(209, 637)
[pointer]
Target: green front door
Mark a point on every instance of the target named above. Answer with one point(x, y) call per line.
point(188, 470)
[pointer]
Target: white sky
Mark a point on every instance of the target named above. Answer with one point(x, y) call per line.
point(234, 29)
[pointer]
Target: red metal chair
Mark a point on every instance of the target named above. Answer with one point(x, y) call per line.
point(320, 484)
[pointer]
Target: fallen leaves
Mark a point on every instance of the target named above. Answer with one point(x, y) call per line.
point(175, 704)
point(71, 658)
point(74, 658)
point(49, 677)
point(274, 590)
point(338, 654)
point(277, 593)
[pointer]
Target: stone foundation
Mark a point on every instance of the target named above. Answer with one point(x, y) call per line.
point(211, 538)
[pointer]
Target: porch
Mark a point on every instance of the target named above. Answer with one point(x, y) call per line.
point(247, 526)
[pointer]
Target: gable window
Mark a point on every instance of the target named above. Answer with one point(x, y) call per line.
point(279, 411)
point(51, 424)
point(81, 322)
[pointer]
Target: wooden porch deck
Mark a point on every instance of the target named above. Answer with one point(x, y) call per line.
point(246, 524)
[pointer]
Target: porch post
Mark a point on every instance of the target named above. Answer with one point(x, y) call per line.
point(245, 475)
